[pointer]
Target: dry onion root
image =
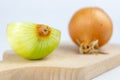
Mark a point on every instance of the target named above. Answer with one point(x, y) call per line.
point(90, 28)
point(91, 48)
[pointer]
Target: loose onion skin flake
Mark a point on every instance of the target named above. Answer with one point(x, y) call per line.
point(90, 28)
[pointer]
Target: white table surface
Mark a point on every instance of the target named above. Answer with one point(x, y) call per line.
point(56, 13)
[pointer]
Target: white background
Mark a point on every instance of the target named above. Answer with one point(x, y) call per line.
point(56, 13)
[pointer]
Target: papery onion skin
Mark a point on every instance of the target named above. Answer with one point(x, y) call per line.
point(89, 24)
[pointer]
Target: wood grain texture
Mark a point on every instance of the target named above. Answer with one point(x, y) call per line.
point(65, 63)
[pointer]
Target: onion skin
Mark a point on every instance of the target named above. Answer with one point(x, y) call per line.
point(89, 24)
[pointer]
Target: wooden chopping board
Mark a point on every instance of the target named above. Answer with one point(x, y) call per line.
point(65, 63)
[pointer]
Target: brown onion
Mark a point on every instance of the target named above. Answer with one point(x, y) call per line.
point(90, 28)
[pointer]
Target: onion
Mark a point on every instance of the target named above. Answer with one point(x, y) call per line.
point(90, 28)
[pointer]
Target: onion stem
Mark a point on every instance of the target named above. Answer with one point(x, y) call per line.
point(43, 30)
